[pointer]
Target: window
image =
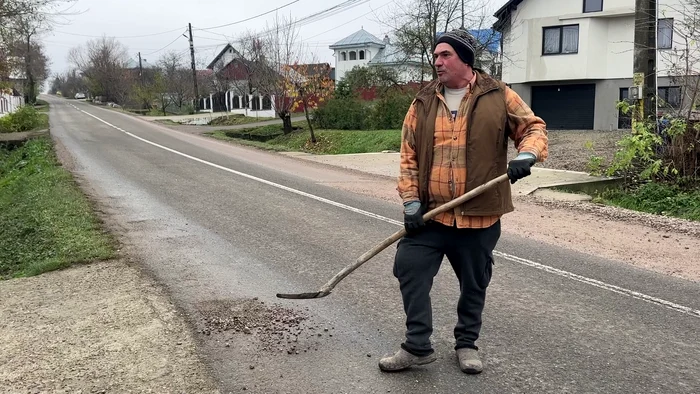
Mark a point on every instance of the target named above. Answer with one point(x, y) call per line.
point(362, 55)
point(266, 102)
point(343, 56)
point(592, 5)
point(670, 96)
point(353, 55)
point(560, 39)
point(665, 33)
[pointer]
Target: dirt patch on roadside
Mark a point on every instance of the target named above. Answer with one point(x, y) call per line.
point(572, 149)
point(611, 233)
point(102, 327)
point(606, 212)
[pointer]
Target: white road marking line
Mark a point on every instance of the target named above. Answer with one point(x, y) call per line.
point(515, 259)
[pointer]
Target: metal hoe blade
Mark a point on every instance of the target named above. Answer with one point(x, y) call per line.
point(302, 296)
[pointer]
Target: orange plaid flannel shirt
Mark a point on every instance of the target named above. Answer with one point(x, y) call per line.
point(528, 131)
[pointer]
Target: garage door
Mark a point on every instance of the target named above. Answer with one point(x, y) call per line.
point(565, 106)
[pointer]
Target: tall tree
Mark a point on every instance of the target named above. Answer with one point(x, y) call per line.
point(177, 78)
point(272, 52)
point(313, 85)
point(103, 62)
point(25, 20)
point(69, 83)
point(418, 23)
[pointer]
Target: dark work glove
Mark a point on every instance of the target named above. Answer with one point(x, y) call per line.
point(519, 167)
point(412, 217)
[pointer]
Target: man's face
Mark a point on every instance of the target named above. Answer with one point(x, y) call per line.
point(451, 70)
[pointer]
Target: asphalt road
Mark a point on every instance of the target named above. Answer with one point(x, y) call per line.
point(220, 225)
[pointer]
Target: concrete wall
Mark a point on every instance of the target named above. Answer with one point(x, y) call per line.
point(607, 93)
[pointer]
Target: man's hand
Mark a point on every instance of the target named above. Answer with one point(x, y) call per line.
point(412, 217)
point(519, 167)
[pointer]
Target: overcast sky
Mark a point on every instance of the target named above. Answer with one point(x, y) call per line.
point(166, 20)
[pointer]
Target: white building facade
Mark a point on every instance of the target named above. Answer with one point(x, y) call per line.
point(364, 49)
point(572, 60)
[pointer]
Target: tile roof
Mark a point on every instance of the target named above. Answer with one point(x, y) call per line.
point(392, 54)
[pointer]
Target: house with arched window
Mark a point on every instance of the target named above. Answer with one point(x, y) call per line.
point(364, 49)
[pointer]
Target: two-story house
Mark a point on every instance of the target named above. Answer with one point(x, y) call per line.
point(572, 60)
point(364, 49)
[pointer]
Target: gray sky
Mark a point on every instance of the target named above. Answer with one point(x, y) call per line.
point(127, 18)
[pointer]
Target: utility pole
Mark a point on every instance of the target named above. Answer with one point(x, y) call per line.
point(462, 14)
point(140, 69)
point(29, 95)
point(644, 72)
point(194, 73)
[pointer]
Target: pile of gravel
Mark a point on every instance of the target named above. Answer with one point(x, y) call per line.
point(278, 329)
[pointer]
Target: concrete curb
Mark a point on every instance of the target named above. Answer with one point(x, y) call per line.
point(19, 138)
point(587, 187)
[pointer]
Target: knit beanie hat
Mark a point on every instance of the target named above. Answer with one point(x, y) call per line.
point(463, 43)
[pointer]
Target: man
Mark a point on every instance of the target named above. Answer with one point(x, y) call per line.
point(455, 138)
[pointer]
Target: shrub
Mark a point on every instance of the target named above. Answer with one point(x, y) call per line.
point(389, 111)
point(344, 113)
point(24, 119)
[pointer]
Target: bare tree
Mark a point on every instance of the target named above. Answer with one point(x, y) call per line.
point(177, 78)
point(417, 24)
point(69, 84)
point(103, 62)
point(272, 52)
point(23, 21)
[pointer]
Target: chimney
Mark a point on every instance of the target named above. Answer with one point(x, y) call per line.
point(386, 39)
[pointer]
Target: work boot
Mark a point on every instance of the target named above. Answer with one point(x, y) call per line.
point(402, 360)
point(469, 361)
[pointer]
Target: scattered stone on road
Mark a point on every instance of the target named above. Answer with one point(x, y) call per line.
point(277, 329)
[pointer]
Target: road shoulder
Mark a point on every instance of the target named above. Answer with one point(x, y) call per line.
point(102, 327)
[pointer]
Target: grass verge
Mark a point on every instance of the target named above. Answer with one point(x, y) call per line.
point(656, 198)
point(43, 122)
point(237, 119)
point(46, 223)
point(329, 142)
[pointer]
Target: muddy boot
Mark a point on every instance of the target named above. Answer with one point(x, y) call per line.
point(469, 361)
point(402, 360)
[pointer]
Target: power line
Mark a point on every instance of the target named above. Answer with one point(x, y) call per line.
point(315, 17)
point(251, 18)
point(140, 36)
point(352, 20)
point(171, 43)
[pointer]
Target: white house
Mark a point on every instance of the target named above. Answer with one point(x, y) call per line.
point(364, 49)
point(572, 60)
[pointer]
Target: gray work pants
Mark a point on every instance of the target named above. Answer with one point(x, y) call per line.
point(418, 259)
